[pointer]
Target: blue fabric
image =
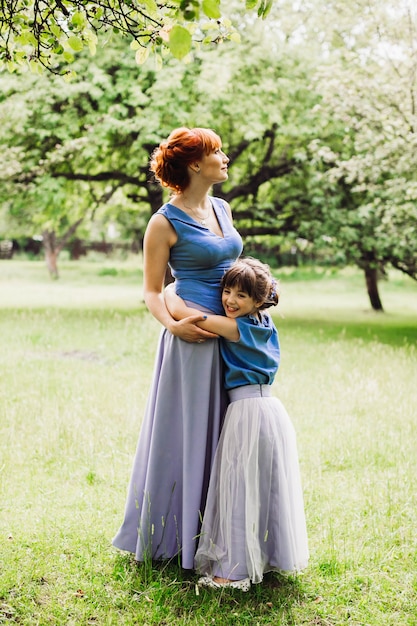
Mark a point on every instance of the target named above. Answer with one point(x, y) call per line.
point(199, 258)
point(254, 359)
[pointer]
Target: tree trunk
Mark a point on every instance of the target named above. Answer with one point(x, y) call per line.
point(371, 277)
point(155, 196)
point(51, 252)
point(53, 246)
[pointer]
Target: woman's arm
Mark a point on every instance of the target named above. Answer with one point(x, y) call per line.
point(219, 324)
point(158, 240)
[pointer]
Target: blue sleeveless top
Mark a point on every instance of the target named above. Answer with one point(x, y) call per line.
point(199, 258)
point(254, 358)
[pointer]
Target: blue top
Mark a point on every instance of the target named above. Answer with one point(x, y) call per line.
point(199, 258)
point(254, 358)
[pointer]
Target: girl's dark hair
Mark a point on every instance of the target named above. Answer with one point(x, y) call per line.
point(254, 278)
point(170, 160)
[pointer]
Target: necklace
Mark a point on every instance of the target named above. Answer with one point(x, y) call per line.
point(201, 220)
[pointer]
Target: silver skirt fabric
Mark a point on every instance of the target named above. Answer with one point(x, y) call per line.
point(175, 452)
point(254, 520)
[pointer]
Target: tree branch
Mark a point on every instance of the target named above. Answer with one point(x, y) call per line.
point(65, 237)
point(101, 177)
point(253, 183)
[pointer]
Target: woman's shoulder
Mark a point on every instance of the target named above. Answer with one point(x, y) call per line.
point(170, 211)
point(160, 227)
point(165, 208)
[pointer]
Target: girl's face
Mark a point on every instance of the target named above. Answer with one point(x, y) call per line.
point(237, 303)
point(213, 166)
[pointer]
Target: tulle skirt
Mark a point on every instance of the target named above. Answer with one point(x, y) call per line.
point(254, 520)
point(175, 452)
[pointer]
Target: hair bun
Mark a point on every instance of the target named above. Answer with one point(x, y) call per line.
point(273, 297)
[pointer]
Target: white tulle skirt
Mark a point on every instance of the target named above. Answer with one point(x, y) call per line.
point(254, 520)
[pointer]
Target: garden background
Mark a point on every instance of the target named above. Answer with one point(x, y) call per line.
point(315, 105)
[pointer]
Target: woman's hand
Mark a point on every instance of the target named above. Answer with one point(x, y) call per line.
point(187, 330)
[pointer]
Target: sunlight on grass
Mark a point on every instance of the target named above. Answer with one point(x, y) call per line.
point(76, 360)
point(115, 284)
point(344, 292)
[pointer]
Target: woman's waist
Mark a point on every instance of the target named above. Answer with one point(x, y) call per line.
point(203, 294)
point(203, 307)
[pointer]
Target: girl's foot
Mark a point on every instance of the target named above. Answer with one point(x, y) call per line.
point(219, 583)
point(222, 581)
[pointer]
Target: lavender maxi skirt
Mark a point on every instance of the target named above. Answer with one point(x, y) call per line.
point(175, 452)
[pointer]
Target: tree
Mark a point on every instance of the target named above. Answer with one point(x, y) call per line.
point(49, 33)
point(360, 168)
point(97, 133)
point(316, 123)
point(373, 164)
point(34, 134)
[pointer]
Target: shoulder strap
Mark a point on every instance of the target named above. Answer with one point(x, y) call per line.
point(219, 202)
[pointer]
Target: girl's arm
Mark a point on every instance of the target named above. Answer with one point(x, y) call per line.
point(158, 240)
point(219, 324)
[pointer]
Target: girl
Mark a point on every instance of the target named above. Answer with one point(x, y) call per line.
point(254, 519)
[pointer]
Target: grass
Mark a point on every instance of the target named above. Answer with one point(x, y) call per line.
point(76, 360)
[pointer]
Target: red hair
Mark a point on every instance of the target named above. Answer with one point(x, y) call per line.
point(184, 146)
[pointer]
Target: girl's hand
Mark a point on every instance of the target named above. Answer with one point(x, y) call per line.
point(187, 330)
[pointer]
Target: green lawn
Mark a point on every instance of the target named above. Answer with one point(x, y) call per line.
point(76, 358)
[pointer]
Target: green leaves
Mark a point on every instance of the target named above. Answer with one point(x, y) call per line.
point(37, 32)
point(263, 6)
point(78, 20)
point(151, 7)
point(141, 55)
point(75, 43)
point(180, 41)
point(211, 8)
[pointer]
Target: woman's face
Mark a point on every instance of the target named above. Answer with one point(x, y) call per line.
point(213, 166)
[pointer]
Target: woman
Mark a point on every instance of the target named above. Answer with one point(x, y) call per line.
point(194, 235)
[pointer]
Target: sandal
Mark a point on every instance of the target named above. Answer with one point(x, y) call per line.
point(208, 581)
